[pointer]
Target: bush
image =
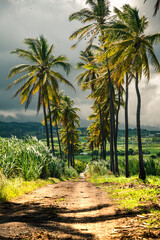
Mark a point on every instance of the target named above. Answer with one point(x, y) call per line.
point(57, 168)
point(98, 167)
point(80, 166)
point(150, 166)
point(130, 151)
point(121, 153)
point(70, 172)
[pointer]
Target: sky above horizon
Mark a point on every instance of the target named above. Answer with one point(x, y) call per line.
point(30, 18)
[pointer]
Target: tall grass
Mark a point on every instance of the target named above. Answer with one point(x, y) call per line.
point(28, 158)
point(152, 166)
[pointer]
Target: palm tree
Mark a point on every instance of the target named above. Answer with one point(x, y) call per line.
point(88, 80)
point(55, 110)
point(69, 120)
point(95, 16)
point(133, 50)
point(39, 75)
point(126, 129)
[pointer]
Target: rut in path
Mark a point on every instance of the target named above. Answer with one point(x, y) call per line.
point(66, 210)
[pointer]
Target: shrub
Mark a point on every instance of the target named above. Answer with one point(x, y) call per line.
point(70, 172)
point(80, 166)
point(121, 153)
point(98, 167)
point(158, 154)
point(130, 151)
point(57, 168)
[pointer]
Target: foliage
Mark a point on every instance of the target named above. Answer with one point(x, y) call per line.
point(29, 159)
point(14, 187)
point(152, 166)
point(99, 167)
point(133, 195)
point(80, 166)
point(70, 172)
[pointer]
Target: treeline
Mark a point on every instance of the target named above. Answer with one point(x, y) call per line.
point(118, 52)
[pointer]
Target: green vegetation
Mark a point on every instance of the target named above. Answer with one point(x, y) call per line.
point(23, 165)
point(14, 187)
point(28, 158)
point(132, 195)
point(124, 53)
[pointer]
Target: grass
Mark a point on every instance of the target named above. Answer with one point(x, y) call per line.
point(12, 188)
point(133, 195)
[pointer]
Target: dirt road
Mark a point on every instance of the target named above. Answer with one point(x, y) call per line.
point(66, 210)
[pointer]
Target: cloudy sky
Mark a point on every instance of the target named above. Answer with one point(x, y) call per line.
point(21, 19)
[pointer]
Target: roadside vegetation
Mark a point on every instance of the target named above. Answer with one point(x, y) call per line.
point(27, 164)
point(132, 197)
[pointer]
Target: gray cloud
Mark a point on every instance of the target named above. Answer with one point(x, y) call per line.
point(30, 18)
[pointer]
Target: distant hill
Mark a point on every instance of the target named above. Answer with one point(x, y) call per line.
point(20, 130)
point(8, 129)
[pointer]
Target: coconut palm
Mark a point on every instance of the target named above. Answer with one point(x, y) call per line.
point(88, 80)
point(69, 120)
point(39, 76)
point(95, 16)
point(55, 110)
point(133, 50)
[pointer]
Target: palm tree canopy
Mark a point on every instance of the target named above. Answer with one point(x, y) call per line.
point(94, 16)
point(39, 75)
point(131, 46)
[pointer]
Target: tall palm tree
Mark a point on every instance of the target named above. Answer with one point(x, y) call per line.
point(133, 49)
point(55, 110)
point(95, 17)
point(69, 120)
point(88, 80)
point(39, 75)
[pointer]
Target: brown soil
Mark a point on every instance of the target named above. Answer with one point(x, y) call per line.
point(66, 210)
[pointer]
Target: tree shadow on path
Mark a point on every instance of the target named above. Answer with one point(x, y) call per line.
point(51, 219)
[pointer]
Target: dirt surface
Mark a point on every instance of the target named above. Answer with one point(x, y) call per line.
point(66, 210)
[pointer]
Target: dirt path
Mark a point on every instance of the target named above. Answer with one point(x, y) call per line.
point(66, 210)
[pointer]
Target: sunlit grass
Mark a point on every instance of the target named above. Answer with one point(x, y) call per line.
point(133, 194)
point(12, 188)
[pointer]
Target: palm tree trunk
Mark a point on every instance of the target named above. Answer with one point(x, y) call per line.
point(72, 149)
point(116, 131)
point(102, 134)
point(126, 130)
point(142, 174)
point(46, 125)
point(59, 143)
point(112, 125)
point(51, 129)
point(69, 149)
point(92, 150)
